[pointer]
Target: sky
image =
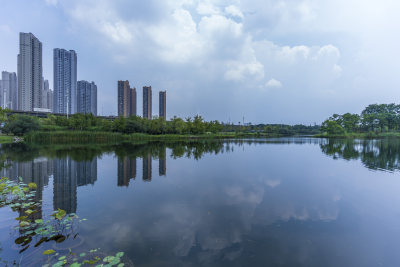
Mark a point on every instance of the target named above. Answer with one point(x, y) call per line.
point(261, 61)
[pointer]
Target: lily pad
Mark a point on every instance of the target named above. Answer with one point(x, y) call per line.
point(49, 252)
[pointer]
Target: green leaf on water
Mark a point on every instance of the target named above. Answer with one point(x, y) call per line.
point(120, 254)
point(38, 221)
point(75, 264)
point(21, 218)
point(60, 214)
point(32, 186)
point(109, 259)
point(49, 252)
point(61, 258)
point(82, 255)
point(58, 264)
point(23, 224)
point(29, 212)
point(115, 261)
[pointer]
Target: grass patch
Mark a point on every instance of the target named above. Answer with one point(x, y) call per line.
point(4, 139)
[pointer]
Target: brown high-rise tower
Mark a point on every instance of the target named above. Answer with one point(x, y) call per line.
point(126, 99)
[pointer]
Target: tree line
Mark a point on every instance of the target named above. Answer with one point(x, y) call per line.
point(22, 124)
point(377, 118)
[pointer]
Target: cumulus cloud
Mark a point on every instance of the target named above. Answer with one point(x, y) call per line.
point(234, 11)
point(208, 43)
point(273, 83)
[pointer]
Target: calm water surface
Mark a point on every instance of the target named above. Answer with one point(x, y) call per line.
point(277, 202)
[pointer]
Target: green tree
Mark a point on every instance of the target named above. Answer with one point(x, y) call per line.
point(332, 127)
point(21, 124)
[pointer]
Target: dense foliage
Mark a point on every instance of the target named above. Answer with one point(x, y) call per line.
point(274, 129)
point(21, 124)
point(133, 124)
point(374, 118)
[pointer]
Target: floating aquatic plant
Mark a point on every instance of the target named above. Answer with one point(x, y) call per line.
point(20, 197)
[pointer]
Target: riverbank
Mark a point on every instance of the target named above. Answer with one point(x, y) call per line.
point(86, 137)
point(96, 137)
point(369, 135)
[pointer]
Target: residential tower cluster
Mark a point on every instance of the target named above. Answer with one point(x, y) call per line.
point(29, 91)
point(127, 101)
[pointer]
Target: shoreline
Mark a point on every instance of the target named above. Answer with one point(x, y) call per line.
point(90, 137)
point(360, 135)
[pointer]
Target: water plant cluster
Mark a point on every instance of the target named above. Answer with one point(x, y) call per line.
point(34, 230)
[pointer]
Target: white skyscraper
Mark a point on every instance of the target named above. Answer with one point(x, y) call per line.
point(30, 70)
point(8, 92)
point(65, 81)
point(87, 97)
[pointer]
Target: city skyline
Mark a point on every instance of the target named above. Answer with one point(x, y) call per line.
point(268, 62)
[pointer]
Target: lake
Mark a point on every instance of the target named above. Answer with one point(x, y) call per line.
point(274, 202)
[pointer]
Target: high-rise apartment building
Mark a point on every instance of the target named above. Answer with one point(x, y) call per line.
point(126, 99)
point(8, 90)
point(65, 81)
point(30, 70)
point(47, 96)
point(147, 102)
point(162, 107)
point(87, 97)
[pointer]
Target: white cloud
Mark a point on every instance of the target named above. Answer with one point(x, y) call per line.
point(210, 42)
point(239, 71)
point(177, 37)
point(234, 11)
point(219, 26)
point(207, 8)
point(101, 17)
point(273, 83)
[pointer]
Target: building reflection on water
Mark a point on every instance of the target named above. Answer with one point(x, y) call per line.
point(67, 176)
point(127, 166)
point(126, 170)
point(147, 168)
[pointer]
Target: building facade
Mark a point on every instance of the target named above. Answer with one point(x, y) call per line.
point(147, 102)
point(65, 81)
point(162, 107)
point(8, 90)
point(30, 70)
point(126, 99)
point(87, 97)
point(47, 96)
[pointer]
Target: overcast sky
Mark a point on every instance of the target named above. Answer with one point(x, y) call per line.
point(271, 61)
